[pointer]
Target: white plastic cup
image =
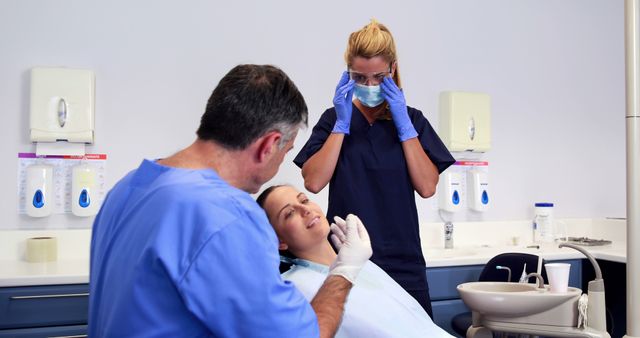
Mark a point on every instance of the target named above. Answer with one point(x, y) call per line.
point(558, 274)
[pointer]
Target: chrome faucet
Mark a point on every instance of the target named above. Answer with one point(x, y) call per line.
point(538, 277)
point(448, 235)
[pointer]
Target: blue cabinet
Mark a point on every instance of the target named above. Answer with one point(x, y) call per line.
point(67, 331)
point(49, 310)
point(445, 300)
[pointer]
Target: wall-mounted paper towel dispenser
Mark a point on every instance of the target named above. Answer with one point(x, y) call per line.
point(465, 121)
point(62, 105)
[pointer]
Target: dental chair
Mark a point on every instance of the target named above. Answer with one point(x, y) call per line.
point(501, 268)
point(286, 261)
point(285, 266)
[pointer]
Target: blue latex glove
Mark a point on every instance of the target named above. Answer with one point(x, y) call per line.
point(398, 106)
point(342, 101)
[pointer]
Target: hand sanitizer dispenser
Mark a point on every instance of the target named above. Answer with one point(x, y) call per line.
point(62, 105)
point(39, 190)
point(449, 191)
point(478, 190)
point(83, 189)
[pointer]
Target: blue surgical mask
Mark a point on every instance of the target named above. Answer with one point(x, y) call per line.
point(370, 96)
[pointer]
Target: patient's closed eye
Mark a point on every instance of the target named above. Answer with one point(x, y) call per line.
point(289, 212)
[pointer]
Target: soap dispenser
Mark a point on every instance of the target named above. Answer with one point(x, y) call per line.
point(449, 191)
point(83, 190)
point(39, 190)
point(478, 190)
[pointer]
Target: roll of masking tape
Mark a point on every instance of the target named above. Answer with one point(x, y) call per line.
point(42, 249)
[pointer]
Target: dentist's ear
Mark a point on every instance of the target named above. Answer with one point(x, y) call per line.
point(267, 145)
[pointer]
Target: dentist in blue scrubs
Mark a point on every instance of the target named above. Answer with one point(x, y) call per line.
point(180, 248)
point(374, 151)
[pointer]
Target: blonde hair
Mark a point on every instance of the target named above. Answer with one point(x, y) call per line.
point(373, 40)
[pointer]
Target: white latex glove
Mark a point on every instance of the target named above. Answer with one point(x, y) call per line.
point(354, 247)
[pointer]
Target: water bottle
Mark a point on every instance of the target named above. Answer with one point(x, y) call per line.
point(543, 223)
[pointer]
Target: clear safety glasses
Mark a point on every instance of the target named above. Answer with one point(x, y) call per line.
point(369, 79)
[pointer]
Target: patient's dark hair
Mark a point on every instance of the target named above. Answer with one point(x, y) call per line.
point(263, 195)
point(262, 198)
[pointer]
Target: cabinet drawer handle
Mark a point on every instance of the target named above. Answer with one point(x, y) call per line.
point(76, 336)
point(51, 296)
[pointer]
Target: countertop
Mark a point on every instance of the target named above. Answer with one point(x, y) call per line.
point(475, 243)
point(20, 273)
point(615, 252)
point(71, 267)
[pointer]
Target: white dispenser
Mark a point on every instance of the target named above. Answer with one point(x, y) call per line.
point(465, 121)
point(39, 190)
point(62, 105)
point(478, 190)
point(449, 191)
point(543, 223)
point(83, 189)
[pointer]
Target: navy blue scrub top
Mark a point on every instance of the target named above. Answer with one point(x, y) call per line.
point(371, 180)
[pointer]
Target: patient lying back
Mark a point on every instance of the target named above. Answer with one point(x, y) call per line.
point(377, 306)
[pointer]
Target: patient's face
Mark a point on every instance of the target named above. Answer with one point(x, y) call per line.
point(298, 222)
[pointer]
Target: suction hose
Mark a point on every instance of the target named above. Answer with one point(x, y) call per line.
point(596, 311)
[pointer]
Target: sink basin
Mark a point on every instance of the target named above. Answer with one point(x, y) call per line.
point(509, 300)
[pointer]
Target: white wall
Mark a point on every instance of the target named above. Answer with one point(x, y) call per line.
point(554, 69)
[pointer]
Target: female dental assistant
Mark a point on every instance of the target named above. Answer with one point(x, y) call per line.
point(375, 151)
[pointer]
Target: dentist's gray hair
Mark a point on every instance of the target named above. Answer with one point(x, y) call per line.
point(288, 132)
point(250, 101)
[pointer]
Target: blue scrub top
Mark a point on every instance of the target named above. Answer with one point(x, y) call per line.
point(180, 253)
point(371, 180)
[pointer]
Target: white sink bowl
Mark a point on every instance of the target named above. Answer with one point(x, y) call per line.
point(503, 299)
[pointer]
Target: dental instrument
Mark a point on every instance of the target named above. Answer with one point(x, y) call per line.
point(539, 269)
point(539, 279)
point(596, 310)
point(523, 276)
point(583, 304)
point(500, 267)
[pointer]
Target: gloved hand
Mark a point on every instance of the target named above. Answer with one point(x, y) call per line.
point(354, 247)
point(342, 103)
point(398, 106)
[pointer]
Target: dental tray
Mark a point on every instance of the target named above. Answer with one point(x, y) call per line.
point(586, 241)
